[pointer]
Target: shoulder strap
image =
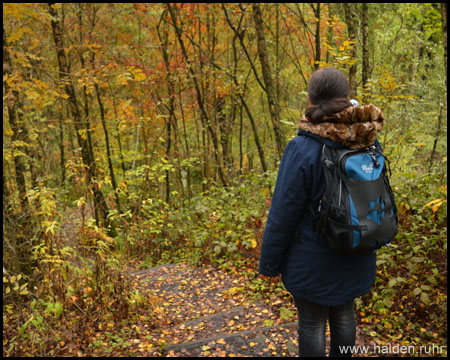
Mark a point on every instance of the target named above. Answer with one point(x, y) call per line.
point(329, 161)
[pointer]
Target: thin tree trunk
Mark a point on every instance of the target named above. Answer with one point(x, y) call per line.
point(163, 40)
point(444, 33)
point(274, 107)
point(225, 129)
point(105, 129)
point(351, 27)
point(240, 34)
point(255, 134)
point(85, 96)
point(61, 148)
point(169, 137)
point(204, 91)
point(122, 160)
point(277, 55)
point(136, 146)
point(108, 151)
point(240, 139)
point(365, 49)
point(317, 36)
point(11, 102)
point(329, 32)
point(199, 97)
point(244, 104)
point(101, 210)
point(436, 138)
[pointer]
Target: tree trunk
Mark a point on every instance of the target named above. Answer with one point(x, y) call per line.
point(164, 40)
point(277, 55)
point(274, 107)
point(61, 147)
point(85, 95)
point(101, 210)
point(199, 97)
point(436, 138)
point(116, 121)
point(102, 116)
point(188, 150)
point(244, 104)
point(240, 140)
point(225, 126)
point(108, 151)
point(317, 37)
point(329, 32)
point(444, 33)
point(11, 102)
point(365, 49)
point(351, 27)
point(255, 134)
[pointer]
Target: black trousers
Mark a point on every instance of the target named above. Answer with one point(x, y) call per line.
point(312, 319)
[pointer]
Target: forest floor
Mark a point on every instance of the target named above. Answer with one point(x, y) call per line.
point(204, 311)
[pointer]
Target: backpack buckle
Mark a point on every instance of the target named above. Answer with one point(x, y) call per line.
point(329, 164)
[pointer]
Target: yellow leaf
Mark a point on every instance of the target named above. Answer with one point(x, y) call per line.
point(435, 204)
point(121, 80)
point(252, 344)
point(139, 75)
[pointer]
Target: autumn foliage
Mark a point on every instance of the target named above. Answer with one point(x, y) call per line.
point(138, 135)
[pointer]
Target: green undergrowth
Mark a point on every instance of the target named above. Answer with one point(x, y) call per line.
point(220, 224)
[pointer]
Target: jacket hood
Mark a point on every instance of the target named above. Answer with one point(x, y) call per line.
point(355, 127)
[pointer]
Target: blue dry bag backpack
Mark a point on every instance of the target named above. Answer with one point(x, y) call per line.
point(357, 213)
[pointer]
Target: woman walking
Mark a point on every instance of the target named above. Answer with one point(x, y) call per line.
point(323, 282)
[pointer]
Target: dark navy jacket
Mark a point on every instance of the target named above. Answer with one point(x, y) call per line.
point(310, 269)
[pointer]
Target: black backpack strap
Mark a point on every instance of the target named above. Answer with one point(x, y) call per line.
point(330, 177)
point(330, 162)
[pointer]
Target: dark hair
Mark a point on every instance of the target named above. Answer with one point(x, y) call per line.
point(328, 90)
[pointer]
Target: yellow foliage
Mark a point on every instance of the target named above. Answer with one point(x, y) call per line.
point(435, 204)
point(139, 75)
point(20, 10)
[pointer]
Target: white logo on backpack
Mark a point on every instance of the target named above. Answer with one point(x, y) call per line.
point(367, 169)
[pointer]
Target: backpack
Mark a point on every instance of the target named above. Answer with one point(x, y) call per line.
point(357, 212)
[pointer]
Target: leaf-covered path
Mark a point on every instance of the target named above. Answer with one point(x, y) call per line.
point(205, 312)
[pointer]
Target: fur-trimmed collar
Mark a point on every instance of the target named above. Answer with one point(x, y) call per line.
point(355, 127)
